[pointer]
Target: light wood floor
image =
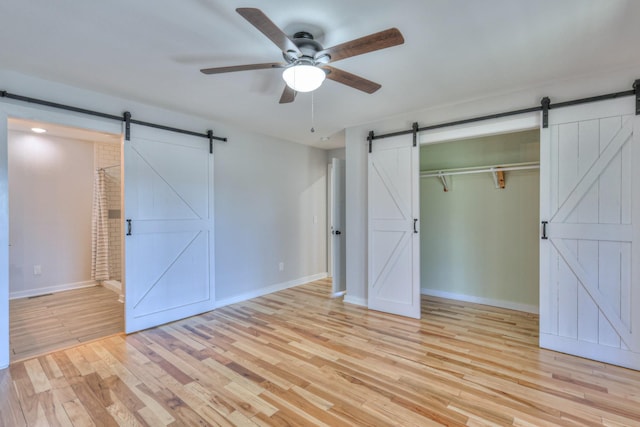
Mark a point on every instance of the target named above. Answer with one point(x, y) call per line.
point(63, 319)
point(299, 358)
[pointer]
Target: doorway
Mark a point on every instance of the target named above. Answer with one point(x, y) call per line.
point(336, 247)
point(52, 176)
point(479, 212)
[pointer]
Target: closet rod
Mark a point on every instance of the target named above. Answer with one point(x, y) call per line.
point(482, 169)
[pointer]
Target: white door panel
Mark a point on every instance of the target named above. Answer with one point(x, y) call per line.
point(169, 254)
point(394, 269)
point(590, 283)
point(338, 238)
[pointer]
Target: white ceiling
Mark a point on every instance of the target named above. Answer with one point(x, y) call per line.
point(52, 129)
point(455, 50)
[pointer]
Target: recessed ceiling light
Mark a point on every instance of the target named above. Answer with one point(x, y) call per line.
point(325, 138)
point(38, 130)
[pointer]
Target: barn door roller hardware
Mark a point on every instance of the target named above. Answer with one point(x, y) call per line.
point(210, 135)
point(414, 130)
point(546, 102)
point(126, 118)
point(635, 91)
point(636, 88)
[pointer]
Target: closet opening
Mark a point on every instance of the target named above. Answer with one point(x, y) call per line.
point(65, 233)
point(479, 215)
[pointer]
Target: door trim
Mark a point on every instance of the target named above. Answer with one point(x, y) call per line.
point(63, 118)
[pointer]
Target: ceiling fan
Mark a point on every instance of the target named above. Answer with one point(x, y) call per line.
point(305, 66)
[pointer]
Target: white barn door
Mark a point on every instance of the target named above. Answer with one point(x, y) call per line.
point(394, 244)
point(590, 261)
point(168, 208)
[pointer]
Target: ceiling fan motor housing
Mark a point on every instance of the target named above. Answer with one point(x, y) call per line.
point(311, 50)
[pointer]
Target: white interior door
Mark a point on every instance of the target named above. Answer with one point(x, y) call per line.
point(170, 249)
point(590, 263)
point(338, 239)
point(394, 244)
point(4, 242)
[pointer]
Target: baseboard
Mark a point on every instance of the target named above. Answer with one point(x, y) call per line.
point(51, 289)
point(270, 289)
point(338, 294)
point(113, 285)
point(480, 300)
point(350, 299)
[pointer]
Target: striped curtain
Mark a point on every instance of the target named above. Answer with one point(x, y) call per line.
point(100, 229)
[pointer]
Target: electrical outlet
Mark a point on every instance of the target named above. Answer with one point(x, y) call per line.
point(37, 270)
point(281, 266)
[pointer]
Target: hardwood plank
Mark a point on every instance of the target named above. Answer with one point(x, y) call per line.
point(298, 357)
point(77, 413)
point(53, 410)
point(123, 415)
point(37, 376)
point(10, 408)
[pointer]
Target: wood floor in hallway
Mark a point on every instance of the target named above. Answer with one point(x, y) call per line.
point(299, 358)
point(51, 322)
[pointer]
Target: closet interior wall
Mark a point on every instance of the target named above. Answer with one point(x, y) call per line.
point(478, 242)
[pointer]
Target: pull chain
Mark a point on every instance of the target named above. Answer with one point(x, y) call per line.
point(313, 129)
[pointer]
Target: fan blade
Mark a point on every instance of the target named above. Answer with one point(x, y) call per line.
point(351, 80)
point(268, 28)
point(220, 70)
point(366, 44)
point(288, 95)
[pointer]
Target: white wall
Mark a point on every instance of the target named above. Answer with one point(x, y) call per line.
point(267, 192)
point(356, 149)
point(356, 216)
point(336, 153)
point(270, 201)
point(50, 199)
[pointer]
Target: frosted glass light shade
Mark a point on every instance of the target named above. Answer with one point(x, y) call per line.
point(303, 78)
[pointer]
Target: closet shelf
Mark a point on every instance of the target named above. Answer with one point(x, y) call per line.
point(496, 170)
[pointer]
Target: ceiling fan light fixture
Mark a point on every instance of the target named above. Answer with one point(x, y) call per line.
point(303, 77)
